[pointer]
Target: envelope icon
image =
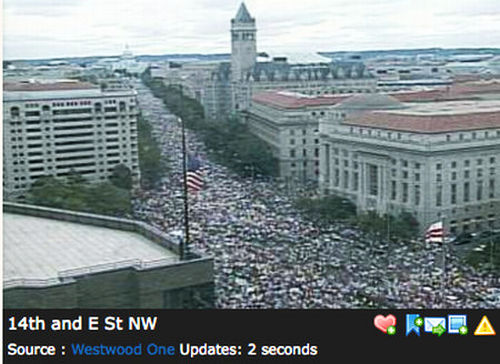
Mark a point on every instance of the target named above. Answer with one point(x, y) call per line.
point(430, 322)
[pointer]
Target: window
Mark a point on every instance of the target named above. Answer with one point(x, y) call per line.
point(479, 190)
point(439, 195)
point(417, 195)
point(491, 193)
point(292, 153)
point(14, 111)
point(453, 195)
point(346, 179)
point(393, 190)
point(373, 180)
point(466, 191)
point(292, 141)
point(405, 192)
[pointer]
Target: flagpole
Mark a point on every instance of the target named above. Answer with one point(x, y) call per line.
point(443, 275)
point(185, 242)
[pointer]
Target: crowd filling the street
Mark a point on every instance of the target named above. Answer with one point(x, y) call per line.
point(267, 255)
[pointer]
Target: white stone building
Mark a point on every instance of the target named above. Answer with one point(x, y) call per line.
point(52, 128)
point(436, 160)
point(288, 122)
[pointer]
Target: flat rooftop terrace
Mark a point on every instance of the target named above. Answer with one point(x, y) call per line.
point(40, 251)
point(448, 108)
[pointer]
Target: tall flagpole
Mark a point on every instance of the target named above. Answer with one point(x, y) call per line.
point(443, 275)
point(185, 242)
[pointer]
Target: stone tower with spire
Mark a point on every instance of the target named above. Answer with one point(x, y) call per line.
point(243, 44)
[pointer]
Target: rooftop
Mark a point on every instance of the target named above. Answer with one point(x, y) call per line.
point(295, 100)
point(371, 101)
point(294, 57)
point(437, 117)
point(48, 86)
point(56, 89)
point(42, 250)
point(243, 16)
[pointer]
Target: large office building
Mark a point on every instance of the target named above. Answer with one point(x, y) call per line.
point(63, 259)
point(57, 127)
point(288, 122)
point(436, 160)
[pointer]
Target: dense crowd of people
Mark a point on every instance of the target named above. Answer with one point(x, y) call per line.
point(267, 255)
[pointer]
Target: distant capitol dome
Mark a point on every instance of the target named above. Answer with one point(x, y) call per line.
point(127, 53)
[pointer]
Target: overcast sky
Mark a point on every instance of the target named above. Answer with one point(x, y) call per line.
point(59, 28)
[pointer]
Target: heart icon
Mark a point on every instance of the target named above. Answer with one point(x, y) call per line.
point(382, 323)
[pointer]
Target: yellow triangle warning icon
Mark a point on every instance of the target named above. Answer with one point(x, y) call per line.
point(484, 328)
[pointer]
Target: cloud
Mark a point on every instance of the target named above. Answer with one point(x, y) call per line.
point(50, 28)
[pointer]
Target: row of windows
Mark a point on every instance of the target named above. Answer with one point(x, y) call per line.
point(15, 110)
point(293, 153)
point(449, 137)
point(304, 141)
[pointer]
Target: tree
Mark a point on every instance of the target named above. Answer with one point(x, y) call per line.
point(229, 141)
point(74, 193)
point(327, 209)
point(151, 162)
point(405, 226)
point(121, 177)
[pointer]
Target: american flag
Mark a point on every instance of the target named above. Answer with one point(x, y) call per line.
point(194, 174)
point(435, 233)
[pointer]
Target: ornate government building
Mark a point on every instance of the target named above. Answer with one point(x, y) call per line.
point(224, 88)
point(436, 160)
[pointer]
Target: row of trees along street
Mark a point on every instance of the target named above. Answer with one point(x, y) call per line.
point(229, 142)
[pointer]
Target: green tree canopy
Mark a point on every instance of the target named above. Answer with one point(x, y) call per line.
point(74, 193)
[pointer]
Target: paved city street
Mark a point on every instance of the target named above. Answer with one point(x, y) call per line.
point(268, 256)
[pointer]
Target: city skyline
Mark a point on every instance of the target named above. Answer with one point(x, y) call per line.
point(92, 28)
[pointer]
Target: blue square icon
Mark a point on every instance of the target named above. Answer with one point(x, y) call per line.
point(455, 322)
